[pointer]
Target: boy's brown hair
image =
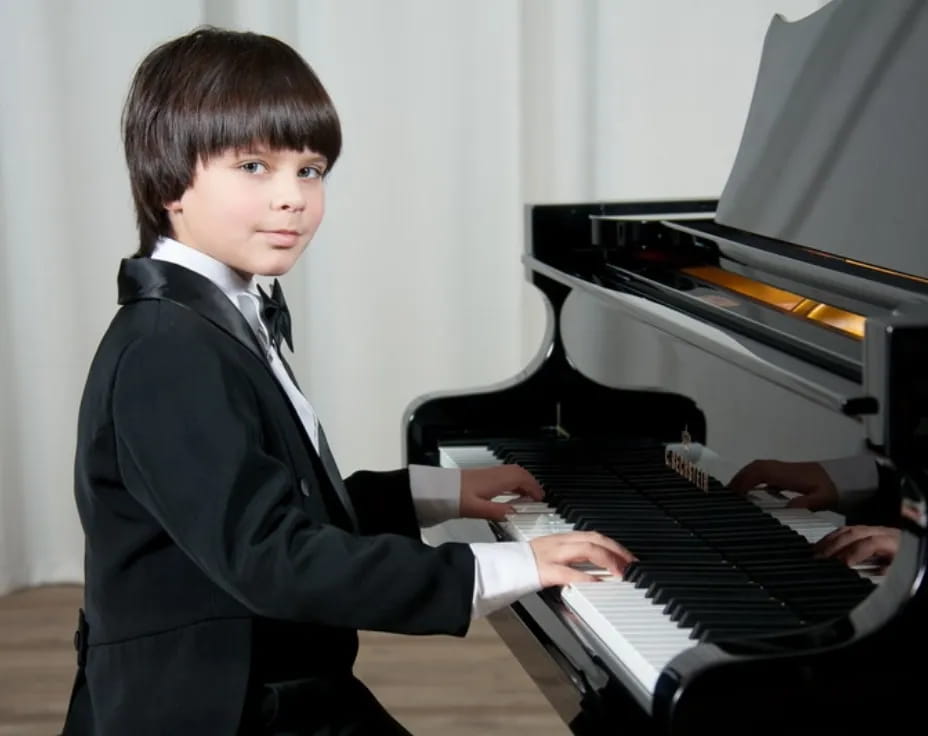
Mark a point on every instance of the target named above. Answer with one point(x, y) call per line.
point(210, 91)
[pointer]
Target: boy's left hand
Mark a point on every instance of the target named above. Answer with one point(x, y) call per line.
point(480, 485)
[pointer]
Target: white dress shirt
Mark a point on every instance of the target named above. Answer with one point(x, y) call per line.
point(504, 571)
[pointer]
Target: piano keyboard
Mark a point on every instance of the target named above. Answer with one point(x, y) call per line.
point(810, 524)
point(670, 600)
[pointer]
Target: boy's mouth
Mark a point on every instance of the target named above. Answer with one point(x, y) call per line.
point(285, 238)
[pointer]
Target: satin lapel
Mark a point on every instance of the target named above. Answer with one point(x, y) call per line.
point(335, 478)
point(144, 278)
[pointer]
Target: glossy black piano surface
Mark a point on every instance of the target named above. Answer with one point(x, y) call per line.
point(663, 320)
point(768, 628)
point(716, 565)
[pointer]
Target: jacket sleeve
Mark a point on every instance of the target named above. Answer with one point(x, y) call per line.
point(383, 502)
point(881, 507)
point(188, 429)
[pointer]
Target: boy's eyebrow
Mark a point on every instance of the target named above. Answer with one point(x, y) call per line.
point(317, 158)
point(312, 156)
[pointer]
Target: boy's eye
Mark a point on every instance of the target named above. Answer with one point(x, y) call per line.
point(253, 167)
point(310, 172)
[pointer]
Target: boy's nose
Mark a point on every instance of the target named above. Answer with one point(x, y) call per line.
point(288, 195)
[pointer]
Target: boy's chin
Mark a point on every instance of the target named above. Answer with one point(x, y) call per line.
point(274, 271)
point(275, 268)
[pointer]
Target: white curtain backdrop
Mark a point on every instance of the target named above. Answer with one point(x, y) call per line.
point(455, 112)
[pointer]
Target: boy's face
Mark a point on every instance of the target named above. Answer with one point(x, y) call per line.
point(254, 210)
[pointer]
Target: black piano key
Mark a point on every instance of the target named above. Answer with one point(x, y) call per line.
point(713, 634)
point(718, 596)
point(772, 621)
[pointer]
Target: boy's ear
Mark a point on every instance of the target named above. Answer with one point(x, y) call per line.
point(173, 207)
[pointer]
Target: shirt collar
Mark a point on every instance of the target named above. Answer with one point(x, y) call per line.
point(231, 284)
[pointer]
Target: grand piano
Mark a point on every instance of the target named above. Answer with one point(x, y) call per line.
point(787, 319)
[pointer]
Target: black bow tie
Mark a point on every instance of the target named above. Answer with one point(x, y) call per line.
point(276, 316)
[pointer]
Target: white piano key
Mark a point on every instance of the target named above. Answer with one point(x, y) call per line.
point(624, 619)
point(466, 456)
point(533, 507)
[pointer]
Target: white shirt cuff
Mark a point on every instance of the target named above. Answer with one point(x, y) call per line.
point(436, 493)
point(504, 572)
point(856, 479)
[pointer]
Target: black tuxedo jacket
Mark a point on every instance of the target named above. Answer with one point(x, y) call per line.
point(219, 560)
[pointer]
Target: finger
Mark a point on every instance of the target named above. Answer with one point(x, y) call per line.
point(831, 544)
point(750, 476)
point(528, 484)
point(492, 510)
point(565, 575)
point(600, 540)
point(591, 568)
point(614, 563)
point(813, 502)
point(829, 540)
point(742, 481)
point(878, 545)
point(591, 552)
point(840, 532)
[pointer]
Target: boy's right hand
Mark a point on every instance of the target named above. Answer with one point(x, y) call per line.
point(556, 553)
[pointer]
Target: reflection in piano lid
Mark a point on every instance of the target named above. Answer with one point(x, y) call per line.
point(769, 291)
point(728, 320)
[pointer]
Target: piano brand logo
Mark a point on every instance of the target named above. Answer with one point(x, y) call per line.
point(683, 462)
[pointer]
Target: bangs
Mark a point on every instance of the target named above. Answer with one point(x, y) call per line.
point(273, 108)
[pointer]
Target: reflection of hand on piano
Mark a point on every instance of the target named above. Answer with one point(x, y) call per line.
point(563, 558)
point(809, 479)
point(856, 544)
point(479, 486)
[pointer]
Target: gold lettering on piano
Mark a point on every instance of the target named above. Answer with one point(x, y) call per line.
point(684, 465)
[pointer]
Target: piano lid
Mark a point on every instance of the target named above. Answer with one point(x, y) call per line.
point(834, 149)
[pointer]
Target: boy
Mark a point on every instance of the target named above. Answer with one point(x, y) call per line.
point(228, 566)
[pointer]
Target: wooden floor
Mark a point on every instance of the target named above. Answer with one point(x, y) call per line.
point(433, 685)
